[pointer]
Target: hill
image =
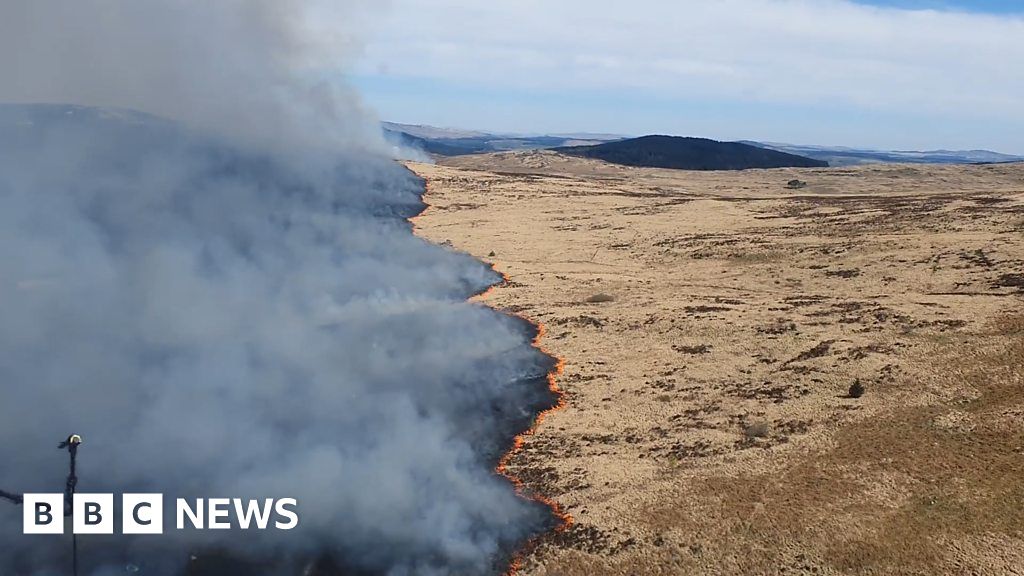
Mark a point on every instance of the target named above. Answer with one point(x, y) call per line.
point(690, 154)
point(432, 132)
point(844, 156)
point(459, 142)
point(453, 142)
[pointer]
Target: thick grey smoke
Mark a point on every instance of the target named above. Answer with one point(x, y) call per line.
point(237, 308)
point(262, 71)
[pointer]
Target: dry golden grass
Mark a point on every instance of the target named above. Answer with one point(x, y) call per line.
point(893, 494)
point(708, 427)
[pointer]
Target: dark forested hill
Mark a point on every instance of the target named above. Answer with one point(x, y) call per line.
point(690, 154)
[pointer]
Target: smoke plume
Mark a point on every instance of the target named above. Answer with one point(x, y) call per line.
point(230, 303)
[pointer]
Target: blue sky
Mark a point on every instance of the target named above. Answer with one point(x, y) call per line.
point(990, 6)
point(895, 74)
point(501, 110)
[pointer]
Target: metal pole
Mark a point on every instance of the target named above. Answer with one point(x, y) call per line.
point(72, 444)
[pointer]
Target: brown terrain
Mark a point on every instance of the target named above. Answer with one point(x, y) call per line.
point(712, 326)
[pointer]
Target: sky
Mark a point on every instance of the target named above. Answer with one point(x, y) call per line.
point(990, 6)
point(891, 74)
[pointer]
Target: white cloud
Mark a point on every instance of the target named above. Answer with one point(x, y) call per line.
point(789, 51)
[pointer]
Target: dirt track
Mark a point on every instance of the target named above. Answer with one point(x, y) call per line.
point(709, 428)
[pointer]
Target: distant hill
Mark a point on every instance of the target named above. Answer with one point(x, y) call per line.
point(459, 142)
point(690, 154)
point(432, 132)
point(437, 146)
point(453, 142)
point(843, 156)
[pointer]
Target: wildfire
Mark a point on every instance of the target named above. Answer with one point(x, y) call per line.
point(564, 519)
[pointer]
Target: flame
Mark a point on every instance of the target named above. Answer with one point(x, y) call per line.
point(564, 519)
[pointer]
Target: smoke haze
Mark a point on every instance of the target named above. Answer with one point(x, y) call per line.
point(259, 71)
point(231, 303)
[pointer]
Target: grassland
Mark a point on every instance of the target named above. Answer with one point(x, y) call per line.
point(710, 426)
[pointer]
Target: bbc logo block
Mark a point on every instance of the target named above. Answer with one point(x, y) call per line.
point(142, 514)
point(93, 514)
point(43, 514)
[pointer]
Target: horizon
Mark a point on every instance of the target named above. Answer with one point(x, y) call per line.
point(907, 75)
point(582, 134)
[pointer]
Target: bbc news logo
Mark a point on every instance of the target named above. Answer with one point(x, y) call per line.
point(144, 514)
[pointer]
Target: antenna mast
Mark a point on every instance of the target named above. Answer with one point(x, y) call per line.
point(71, 444)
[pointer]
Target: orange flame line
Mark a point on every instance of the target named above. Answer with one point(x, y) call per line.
point(564, 519)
